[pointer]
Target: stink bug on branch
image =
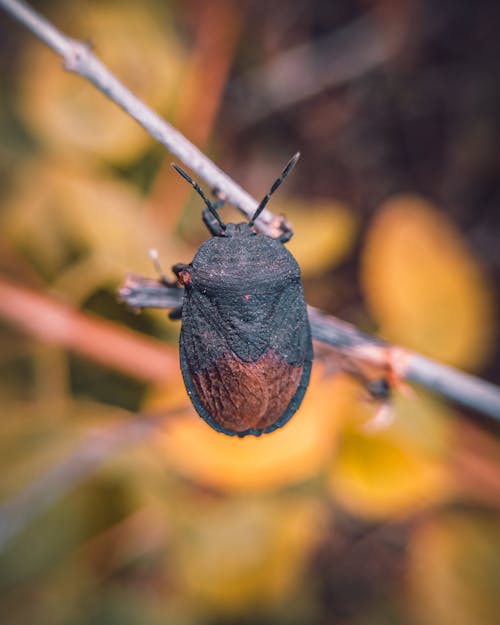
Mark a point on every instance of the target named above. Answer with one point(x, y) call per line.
point(245, 343)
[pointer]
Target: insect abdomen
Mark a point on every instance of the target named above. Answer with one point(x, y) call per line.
point(242, 396)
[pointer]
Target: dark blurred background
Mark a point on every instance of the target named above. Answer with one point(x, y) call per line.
point(111, 515)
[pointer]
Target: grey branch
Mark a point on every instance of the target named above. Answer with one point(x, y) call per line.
point(79, 58)
point(354, 347)
point(353, 344)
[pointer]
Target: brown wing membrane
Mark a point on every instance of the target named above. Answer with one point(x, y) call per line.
point(241, 396)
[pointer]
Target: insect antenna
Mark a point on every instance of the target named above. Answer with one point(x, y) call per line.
point(290, 165)
point(211, 207)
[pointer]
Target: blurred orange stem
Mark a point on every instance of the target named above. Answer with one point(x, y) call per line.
point(217, 25)
point(102, 341)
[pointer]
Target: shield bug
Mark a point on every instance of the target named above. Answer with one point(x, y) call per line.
point(245, 342)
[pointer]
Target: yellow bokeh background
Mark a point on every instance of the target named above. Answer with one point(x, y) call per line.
point(118, 504)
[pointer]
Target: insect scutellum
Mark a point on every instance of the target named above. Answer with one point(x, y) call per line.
point(214, 206)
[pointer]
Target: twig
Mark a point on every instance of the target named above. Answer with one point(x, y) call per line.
point(405, 365)
point(126, 351)
point(79, 58)
point(355, 347)
point(402, 364)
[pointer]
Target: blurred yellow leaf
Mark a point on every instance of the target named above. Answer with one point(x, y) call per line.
point(381, 474)
point(55, 204)
point(289, 455)
point(70, 114)
point(325, 232)
point(32, 442)
point(423, 285)
point(454, 570)
point(243, 553)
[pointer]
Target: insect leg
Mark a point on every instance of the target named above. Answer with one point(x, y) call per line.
point(175, 313)
point(286, 233)
point(178, 267)
point(183, 273)
point(210, 222)
point(379, 389)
